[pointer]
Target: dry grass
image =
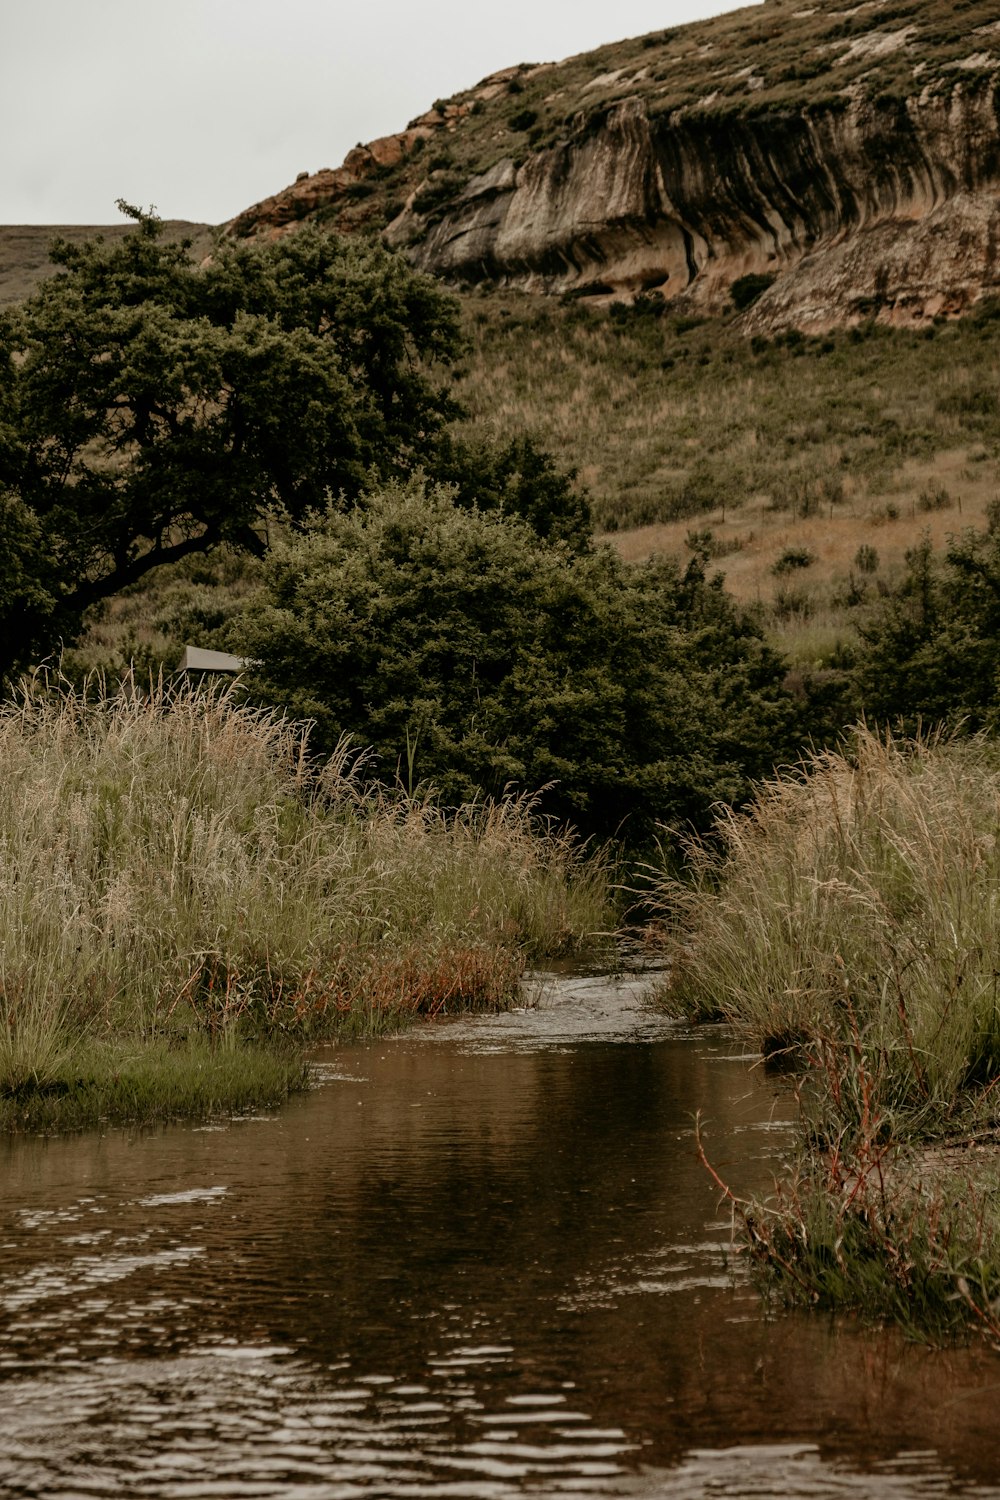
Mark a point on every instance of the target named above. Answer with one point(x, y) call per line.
point(851, 927)
point(751, 538)
point(669, 419)
point(680, 428)
point(811, 613)
point(856, 905)
point(172, 863)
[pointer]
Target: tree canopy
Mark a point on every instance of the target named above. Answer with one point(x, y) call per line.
point(932, 653)
point(151, 408)
point(472, 654)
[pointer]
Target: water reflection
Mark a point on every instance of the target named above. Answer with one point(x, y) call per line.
point(480, 1260)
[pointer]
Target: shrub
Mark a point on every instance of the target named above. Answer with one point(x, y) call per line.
point(932, 651)
point(517, 479)
point(792, 560)
point(458, 643)
point(437, 191)
point(934, 497)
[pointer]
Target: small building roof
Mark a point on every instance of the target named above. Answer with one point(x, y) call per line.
point(198, 659)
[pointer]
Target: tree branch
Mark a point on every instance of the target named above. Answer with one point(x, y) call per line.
point(90, 591)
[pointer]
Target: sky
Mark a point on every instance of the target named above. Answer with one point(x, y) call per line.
point(202, 107)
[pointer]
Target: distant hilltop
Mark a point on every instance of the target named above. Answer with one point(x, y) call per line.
point(848, 158)
point(24, 249)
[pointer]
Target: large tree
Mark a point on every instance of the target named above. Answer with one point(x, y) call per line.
point(151, 408)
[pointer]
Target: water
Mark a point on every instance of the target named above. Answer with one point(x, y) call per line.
point(478, 1261)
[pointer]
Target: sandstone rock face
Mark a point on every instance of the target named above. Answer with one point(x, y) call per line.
point(896, 272)
point(311, 193)
point(851, 154)
point(886, 208)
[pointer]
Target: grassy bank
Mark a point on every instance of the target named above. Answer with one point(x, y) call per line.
point(848, 926)
point(185, 897)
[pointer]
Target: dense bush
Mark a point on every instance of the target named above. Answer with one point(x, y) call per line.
point(793, 559)
point(516, 478)
point(932, 652)
point(471, 654)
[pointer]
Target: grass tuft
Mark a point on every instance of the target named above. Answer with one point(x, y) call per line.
point(856, 904)
point(177, 873)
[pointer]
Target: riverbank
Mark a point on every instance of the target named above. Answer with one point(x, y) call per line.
point(187, 899)
point(847, 925)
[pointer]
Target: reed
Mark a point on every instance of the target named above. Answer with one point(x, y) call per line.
point(856, 904)
point(174, 867)
point(847, 924)
point(890, 1233)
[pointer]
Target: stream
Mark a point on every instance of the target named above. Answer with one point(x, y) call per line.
point(477, 1260)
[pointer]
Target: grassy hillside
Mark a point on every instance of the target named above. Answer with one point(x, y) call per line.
point(688, 435)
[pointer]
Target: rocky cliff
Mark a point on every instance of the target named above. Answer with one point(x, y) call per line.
point(851, 155)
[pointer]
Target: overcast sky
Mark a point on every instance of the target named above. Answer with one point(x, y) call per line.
point(202, 107)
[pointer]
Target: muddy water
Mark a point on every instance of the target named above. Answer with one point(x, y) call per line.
point(477, 1261)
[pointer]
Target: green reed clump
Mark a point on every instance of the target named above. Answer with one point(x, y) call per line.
point(856, 906)
point(173, 864)
point(847, 923)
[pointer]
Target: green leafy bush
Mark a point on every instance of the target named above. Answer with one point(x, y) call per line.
point(932, 652)
point(473, 655)
point(516, 478)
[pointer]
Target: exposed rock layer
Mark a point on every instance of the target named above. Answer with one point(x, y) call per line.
point(870, 189)
point(889, 209)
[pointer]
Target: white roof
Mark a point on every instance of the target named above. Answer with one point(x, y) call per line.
point(198, 659)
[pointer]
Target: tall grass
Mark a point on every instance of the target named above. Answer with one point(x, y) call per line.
point(172, 863)
point(858, 901)
point(849, 922)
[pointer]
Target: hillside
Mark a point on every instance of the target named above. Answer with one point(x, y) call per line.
point(784, 457)
point(853, 154)
point(24, 249)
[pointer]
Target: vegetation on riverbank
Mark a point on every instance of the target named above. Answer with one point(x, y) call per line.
point(184, 891)
point(847, 925)
point(187, 894)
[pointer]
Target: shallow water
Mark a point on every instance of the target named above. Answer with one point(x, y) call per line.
point(480, 1260)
